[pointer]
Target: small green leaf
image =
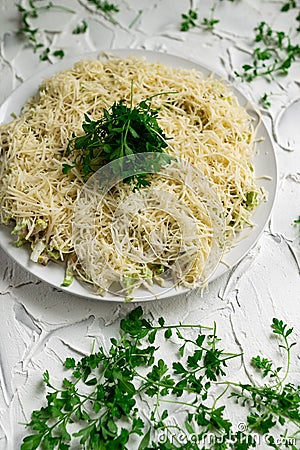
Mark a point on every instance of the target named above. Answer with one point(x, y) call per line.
point(66, 168)
point(151, 336)
point(189, 428)
point(91, 382)
point(84, 433)
point(46, 377)
point(59, 53)
point(64, 433)
point(112, 427)
point(31, 442)
point(168, 333)
point(81, 28)
point(161, 321)
point(144, 444)
point(70, 363)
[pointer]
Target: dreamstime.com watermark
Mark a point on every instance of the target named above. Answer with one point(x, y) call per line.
point(211, 439)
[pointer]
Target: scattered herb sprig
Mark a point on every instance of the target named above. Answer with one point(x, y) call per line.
point(272, 404)
point(105, 391)
point(107, 8)
point(210, 22)
point(121, 131)
point(32, 34)
point(189, 20)
point(265, 101)
point(298, 20)
point(80, 28)
point(104, 5)
point(274, 56)
point(32, 11)
point(290, 4)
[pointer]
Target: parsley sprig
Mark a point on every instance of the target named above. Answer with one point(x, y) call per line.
point(210, 22)
point(106, 7)
point(31, 12)
point(103, 394)
point(189, 19)
point(274, 55)
point(272, 404)
point(265, 101)
point(121, 131)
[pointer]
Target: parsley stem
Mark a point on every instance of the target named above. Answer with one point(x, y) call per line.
point(134, 21)
point(219, 396)
point(288, 364)
point(57, 7)
point(177, 327)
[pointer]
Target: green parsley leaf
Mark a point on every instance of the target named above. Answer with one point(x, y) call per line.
point(274, 56)
point(102, 396)
point(122, 131)
point(81, 28)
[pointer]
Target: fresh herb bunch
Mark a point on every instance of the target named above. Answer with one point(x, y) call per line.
point(122, 131)
point(274, 56)
point(104, 394)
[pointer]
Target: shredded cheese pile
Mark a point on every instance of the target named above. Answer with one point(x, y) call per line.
point(207, 127)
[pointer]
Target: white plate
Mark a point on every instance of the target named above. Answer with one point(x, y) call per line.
point(265, 166)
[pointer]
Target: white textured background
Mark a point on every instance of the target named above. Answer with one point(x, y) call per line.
point(39, 325)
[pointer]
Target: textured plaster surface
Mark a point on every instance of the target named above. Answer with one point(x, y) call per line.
point(39, 325)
